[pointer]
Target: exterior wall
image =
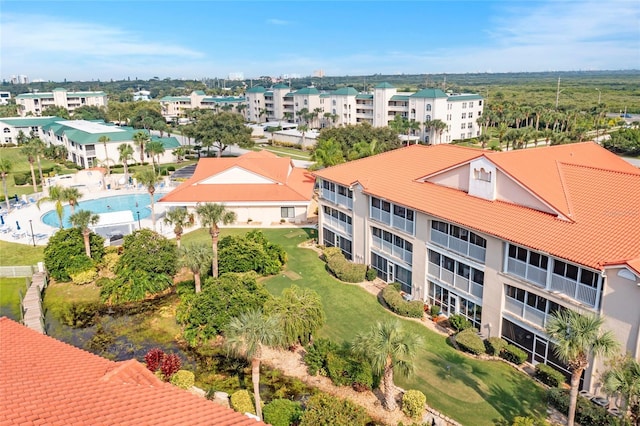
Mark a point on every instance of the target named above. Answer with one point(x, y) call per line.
point(265, 214)
point(457, 178)
point(295, 137)
point(510, 191)
point(10, 133)
point(35, 104)
point(620, 305)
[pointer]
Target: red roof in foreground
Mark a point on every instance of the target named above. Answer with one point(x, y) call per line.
point(287, 182)
point(598, 192)
point(45, 381)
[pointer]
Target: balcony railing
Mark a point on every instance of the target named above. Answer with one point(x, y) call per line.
point(529, 272)
point(574, 289)
point(403, 224)
point(338, 224)
point(392, 249)
point(459, 246)
point(344, 201)
point(381, 215)
point(526, 312)
point(328, 195)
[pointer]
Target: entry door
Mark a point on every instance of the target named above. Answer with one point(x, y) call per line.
point(453, 304)
point(392, 278)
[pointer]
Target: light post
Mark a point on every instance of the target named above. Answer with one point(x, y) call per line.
point(139, 227)
point(33, 237)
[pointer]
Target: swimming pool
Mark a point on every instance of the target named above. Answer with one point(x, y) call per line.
point(132, 202)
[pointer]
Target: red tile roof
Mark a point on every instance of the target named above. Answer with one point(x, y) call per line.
point(598, 191)
point(288, 183)
point(45, 381)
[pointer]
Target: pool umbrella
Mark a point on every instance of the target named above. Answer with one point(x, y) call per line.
point(17, 225)
point(2, 219)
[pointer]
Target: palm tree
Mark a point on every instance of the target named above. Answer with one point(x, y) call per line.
point(623, 378)
point(81, 220)
point(439, 127)
point(577, 337)
point(38, 148)
point(126, 154)
point(300, 310)
point(388, 346)
point(248, 334)
point(180, 218)
point(210, 215)
point(196, 257)
point(149, 179)
point(303, 128)
point(154, 148)
point(71, 195)
point(31, 152)
point(141, 139)
point(5, 169)
point(327, 153)
point(104, 139)
point(57, 196)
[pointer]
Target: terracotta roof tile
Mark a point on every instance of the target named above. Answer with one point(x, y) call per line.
point(45, 381)
point(598, 190)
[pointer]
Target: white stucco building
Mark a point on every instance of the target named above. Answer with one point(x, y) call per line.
point(35, 103)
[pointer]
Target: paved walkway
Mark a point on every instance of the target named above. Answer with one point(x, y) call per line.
point(32, 303)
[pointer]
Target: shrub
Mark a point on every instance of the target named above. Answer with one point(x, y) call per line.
point(171, 168)
point(19, 179)
point(78, 314)
point(495, 345)
point(413, 402)
point(469, 341)
point(337, 369)
point(549, 375)
point(343, 269)
point(371, 274)
point(153, 358)
point(282, 412)
point(109, 261)
point(361, 375)
point(459, 322)
point(65, 253)
point(316, 355)
point(324, 409)
point(241, 402)
point(587, 413)
point(514, 354)
point(393, 299)
point(250, 252)
point(183, 379)
point(84, 277)
point(434, 311)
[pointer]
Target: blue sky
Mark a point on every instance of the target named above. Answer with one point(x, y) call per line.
point(91, 40)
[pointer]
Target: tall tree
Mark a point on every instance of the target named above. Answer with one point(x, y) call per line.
point(222, 130)
point(38, 149)
point(141, 139)
point(126, 154)
point(82, 220)
point(327, 153)
point(196, 257)
point(623, 378)
point(248, 334)
point(149, 179)
point(180, 218)
point(439, 127)
point(389, 348)
point(301, 313)
point(5, 169)
point(153, 149)
point(57, 196)
point(578, 337)
point(71, 195)
point(210, 215)
point(30, 150)
point(103, 140)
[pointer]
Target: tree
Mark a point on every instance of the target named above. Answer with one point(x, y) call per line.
point(148, 251)
point(65, 252)
point(303, 129)
point(154, 148)
point(71, 195)
point(389, 348)
point(126, 154)
point(38, 148)
point(56, 196)
point(301, 313)
point(30, 150)
point(222, 130)
point(327, 153)
point(363, 149)
point(149, 179)
point(196, 257)
point(104, 139)
point(438, 127)
point(141, 139)
point(347, 136)
point(55, 111)
point(248, 334)
point(90, 112)
point(82, 220)
point(577, 338)
point(5, 168)
point(180, 218)
point(210, 215)
point(623, 378)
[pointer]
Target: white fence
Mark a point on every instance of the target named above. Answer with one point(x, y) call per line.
point(17, 271)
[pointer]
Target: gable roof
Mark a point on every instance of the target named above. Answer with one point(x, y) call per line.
point(269, 178)
point(72, 386)
point(29, 121)
point(345, 91)
point(598, 190)
point(429, 93)
point(307, 91)
point(384, 85)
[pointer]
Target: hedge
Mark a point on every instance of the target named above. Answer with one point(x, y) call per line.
point(282, 412)
point(371, 274)
point(393, 299)
point(587, 413)
point(337, 369)
point(343, 269)
point(459, 322)
point(514, 354)
point(241, 402)
point(495, 345)
point(183, 379)
point(549, 375)
point(469, 341)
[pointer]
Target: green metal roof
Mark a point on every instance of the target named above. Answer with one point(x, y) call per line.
point(464, 97)
point(29, 121)
point(257, 89)
point(281, 86)
point(41, 95)
point(325, 95)
point(384, 85)
point(364, 96)
point(167, 143)
point(400, 98)
point(345, 91)
point(35, 95)
point(307, 91)
point(429, 93)
point(288, 95)
point(199, 92)
point(224, 99)
point(175, 99)
point(114, 133)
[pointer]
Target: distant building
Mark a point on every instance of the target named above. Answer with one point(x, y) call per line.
point(19, 79)
point(4, 98)
point(176, 107)
point(35, 103)
point(142, 95)
point(236, 76)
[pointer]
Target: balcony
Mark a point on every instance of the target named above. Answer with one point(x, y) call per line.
point(583, 293)
point(459, 246)
point(389, 248)
point(381, 215)
point(403, 224)
point(526, 312)
point(535, 275)
point(344, 201)
point(334, 223)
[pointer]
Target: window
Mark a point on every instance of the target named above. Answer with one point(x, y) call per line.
point(464, 115)
point(470, 105)
point(477, 276)
point(305, 102)
point(287, 212)
point(333, 102)
point(7, 130)
point(428, 107)
point(539, 260)
point(448, 263)
point(463, 270)
point(565, 270)
point(427, 117)
point(434, 257)
point(470, 115)
point(482, 174)
point(479, 103)
point(589, 278)
point(463, 126)
point(515, 293)
point(518, 253)
point(464, 105)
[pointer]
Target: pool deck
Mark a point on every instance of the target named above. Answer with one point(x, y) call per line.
point(31, 212)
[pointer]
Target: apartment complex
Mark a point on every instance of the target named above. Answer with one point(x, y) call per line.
point(35, 103)
point(176, 107)
point(379, 107)
point(502, 238)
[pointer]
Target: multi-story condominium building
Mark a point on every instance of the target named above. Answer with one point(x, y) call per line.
point(176, 107)
point(35, 103)
point(4, 98)
point(503, 238)
point(459, 112)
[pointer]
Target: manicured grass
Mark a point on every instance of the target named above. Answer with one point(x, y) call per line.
point(10, 289)
point(283, 151)
point(471, 391)
point(14, 254)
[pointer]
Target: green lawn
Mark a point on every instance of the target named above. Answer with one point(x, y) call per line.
point(294, 153)
point(14, 254)
point(470, 391)
point(10, 289)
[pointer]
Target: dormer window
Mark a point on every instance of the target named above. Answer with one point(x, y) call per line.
point(482, 174)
